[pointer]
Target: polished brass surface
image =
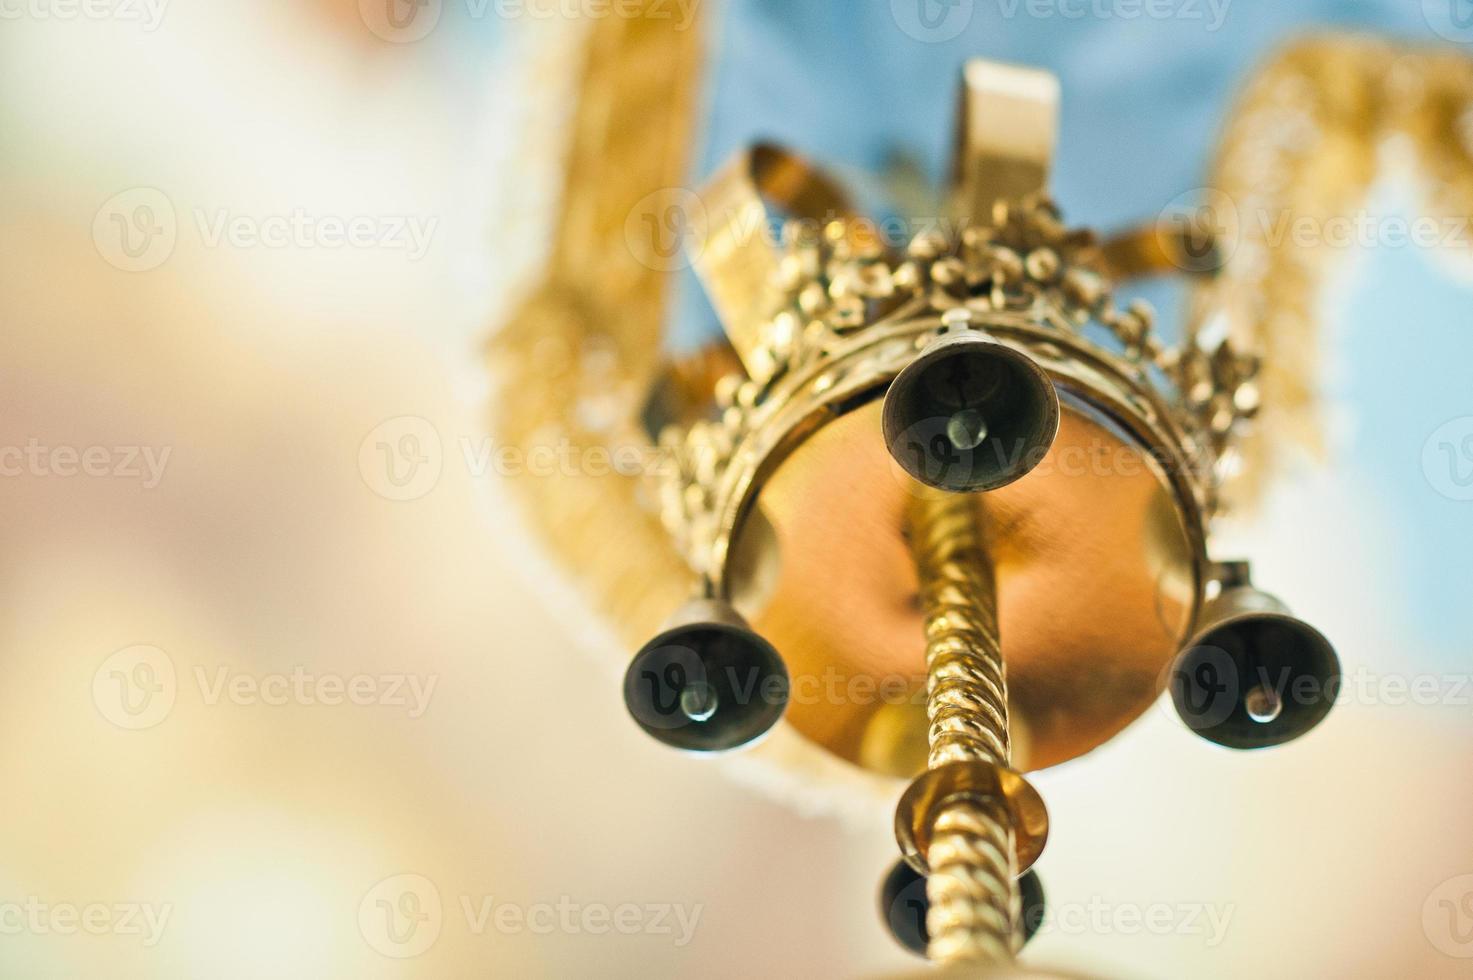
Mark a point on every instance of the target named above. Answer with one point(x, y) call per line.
point(1045, 304)
point(970, 841)
point(966, 679)
point(733, 254)
point(1007, 120)
point(1096, 582)
point(974, 903)
point(926, 795)
point(1162, 248)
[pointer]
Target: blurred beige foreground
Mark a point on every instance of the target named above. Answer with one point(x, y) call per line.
point(259, 718)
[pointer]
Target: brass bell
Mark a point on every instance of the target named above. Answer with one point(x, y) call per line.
point(970, 413)
point(707, 682)
point(903, 906)
point(1253, 675)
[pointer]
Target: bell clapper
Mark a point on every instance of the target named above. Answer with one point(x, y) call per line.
point(698, 701)
point(1263, 704)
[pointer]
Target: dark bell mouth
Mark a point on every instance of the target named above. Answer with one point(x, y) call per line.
point(1256, 682)
point(970, 415)
point(706, 687)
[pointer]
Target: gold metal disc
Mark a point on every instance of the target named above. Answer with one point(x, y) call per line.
point(1095, 576)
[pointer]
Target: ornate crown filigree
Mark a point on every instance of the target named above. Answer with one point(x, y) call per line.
point(834, 283)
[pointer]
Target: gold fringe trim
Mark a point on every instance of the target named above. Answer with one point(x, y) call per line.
point(574, 362)
point(1304, 142)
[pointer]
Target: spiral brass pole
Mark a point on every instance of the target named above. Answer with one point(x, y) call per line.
point(971, 890)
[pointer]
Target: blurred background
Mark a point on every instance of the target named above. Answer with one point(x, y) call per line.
point(280, 695)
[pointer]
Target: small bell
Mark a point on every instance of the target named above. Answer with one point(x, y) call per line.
point(707, 682)
point(1253, 675)
point(903, 906)
point(970, 413)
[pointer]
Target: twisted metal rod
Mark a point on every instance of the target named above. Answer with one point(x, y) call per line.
point(971, 890)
